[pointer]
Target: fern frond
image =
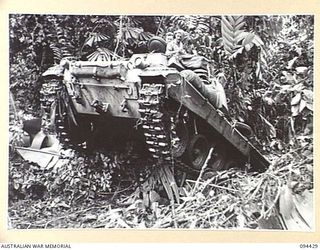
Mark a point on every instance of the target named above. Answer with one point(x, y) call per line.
point(231, 29)
point(57, 53)
point(62, 48)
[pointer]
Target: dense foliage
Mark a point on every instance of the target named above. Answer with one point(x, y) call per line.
point(266, 62)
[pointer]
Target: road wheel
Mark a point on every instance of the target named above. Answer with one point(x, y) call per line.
point(180, 140)
point(197, 151)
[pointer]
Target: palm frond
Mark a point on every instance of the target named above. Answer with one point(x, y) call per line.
point(232, 32)
point(131, 33)
point(145, 36)
point(235, 38)
point(96, 37)
point(103, 54)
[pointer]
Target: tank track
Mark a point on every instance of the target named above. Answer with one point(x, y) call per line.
point(54, 117)
point(155, 122)
point(48, 95)
point(159, 126)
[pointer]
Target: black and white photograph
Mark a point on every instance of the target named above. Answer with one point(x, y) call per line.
point(161, 122)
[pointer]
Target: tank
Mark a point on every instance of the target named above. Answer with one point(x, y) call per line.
point(176, 108)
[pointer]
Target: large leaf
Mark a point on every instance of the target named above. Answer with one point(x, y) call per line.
point(286, 202)
point(302, 105)
point(296, 209)
point(295, 110)
point(310, 106)
point(304, 205)
point(296, 99)
point(235, 38)
point(231, 28)
point(248, 39)
point(291, 62)
point(308, 94)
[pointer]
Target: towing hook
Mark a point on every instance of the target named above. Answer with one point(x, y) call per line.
point(124, 106)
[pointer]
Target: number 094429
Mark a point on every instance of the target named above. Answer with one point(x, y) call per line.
point(309, 246)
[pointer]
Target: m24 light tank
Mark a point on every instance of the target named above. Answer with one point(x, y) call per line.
point(175, 107)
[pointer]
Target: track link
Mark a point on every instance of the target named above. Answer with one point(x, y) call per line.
point(155, 122)
point(55, 117)
point(159, 126)
point(48, 96)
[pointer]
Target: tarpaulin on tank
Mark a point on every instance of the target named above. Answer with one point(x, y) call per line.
point(214, 92)
point(194, 79)
point(194, 62)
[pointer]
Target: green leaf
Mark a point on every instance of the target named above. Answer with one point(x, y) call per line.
point(239, 20)
point(291, 62)
point(308, 94)
point(286, 202)
point(296, 99)
point(302, 105)
point(310, 106)
point(154, 196)
point(146, 200)
point(304, 206)
point(16, 186)
point(231, 29)
point(241, 35)
point(248, 47)
point(166, 184)
point(295, 110)
point(172, 182)
point(90, 217)
point(96, 37)
point(239, 26)
point(296, 209)
point(257, 40)
point(248, 39)
point(226, 23)
point(302, 70)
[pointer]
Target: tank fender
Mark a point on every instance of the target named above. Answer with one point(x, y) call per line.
point(55, 71)
point(157, 72)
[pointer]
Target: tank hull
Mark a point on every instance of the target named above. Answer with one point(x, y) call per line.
point(174, 113)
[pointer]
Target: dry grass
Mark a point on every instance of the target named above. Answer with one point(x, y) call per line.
point(227, 200)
